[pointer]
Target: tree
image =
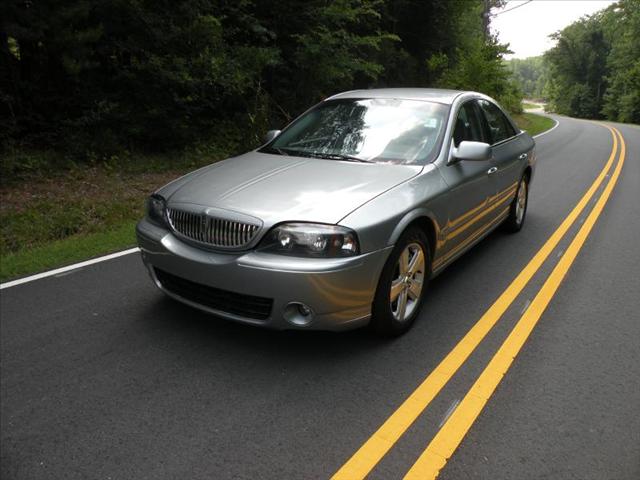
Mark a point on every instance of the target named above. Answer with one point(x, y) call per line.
point(103, 75)
point(595, 65)
point(92, 77)
point(622, 98)
point(531, 74)
point(578, 68)
point(476, 61)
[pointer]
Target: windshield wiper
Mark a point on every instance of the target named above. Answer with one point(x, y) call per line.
point(279, 151)
point(289, 151)
point(306, 153)
point(340, 156)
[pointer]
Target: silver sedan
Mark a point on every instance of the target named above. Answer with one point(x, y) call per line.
point(341, 219)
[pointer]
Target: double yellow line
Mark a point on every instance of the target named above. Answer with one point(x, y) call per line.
point(455, 428)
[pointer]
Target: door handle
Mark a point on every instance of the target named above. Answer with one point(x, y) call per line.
point(523, 156)
point(492, 170)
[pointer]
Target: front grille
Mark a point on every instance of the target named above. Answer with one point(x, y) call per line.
point(222, 300)
point(213, 231)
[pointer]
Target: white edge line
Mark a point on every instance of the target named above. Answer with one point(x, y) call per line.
point(57, 271)
point(550, 130)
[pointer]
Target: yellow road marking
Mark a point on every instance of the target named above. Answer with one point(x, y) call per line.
point(376, 447)
point(458, 424)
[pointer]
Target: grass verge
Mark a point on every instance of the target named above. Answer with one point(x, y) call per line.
point(529, 106)
point(69, 250)
point(57, 209)
point(52, 218)
point(532, 123)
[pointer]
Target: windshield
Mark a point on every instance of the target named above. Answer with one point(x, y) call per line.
point(381, 130)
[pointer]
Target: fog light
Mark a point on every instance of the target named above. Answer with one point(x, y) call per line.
point(298, 314)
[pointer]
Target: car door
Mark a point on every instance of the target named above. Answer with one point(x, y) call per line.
point(506, 149)
point(469, 188)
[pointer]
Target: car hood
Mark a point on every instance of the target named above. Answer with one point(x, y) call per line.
point(276, 188)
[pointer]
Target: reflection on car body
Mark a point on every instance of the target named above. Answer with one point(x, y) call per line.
point(341, 219)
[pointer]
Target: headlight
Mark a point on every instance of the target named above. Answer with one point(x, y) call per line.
point(156, 210)
point(311, 240)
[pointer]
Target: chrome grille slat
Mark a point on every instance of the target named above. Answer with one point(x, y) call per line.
point(223, 233)
point(185, 223)
point(236, 240)
point(217, 232)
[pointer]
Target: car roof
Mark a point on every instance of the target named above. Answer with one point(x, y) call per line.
point(431, 94)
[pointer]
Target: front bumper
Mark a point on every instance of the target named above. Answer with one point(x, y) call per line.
point(339, 292)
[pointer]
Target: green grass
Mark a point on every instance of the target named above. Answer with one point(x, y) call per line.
point(48, 220)
point(61, 207)
point(66, 251)
point(54, 211)
point(529, 106)
point(532, 123)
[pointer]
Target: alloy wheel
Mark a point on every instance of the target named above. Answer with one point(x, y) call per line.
point(407, 283)
point(521, 201)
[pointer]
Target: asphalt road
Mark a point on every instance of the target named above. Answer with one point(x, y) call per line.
point(102, 377)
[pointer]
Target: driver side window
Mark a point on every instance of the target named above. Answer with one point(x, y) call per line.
point(499, 127)
point(468, 126)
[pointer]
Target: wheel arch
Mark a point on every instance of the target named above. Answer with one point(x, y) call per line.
point(424, 220)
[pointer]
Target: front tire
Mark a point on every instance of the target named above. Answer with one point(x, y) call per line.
point(518, 208)
point(403, 282)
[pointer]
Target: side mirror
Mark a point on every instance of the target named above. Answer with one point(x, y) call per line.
point(472, 151)
point(270, 135)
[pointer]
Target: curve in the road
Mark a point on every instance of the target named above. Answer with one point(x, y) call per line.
point(377, 446)
point(444, 444)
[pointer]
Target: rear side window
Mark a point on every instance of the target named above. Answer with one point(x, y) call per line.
point(499, 126)
point(468, 126)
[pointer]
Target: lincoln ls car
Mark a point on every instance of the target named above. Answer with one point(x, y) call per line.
point(341, 219)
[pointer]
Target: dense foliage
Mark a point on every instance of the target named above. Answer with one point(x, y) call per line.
point(594, 69)
point(531, 74)
point(94, 77)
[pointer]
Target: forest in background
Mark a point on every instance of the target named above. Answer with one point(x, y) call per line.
point(594, 69)
point(95, 78)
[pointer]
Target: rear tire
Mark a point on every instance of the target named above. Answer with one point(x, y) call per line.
point(402, 284)
point(518, 209)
